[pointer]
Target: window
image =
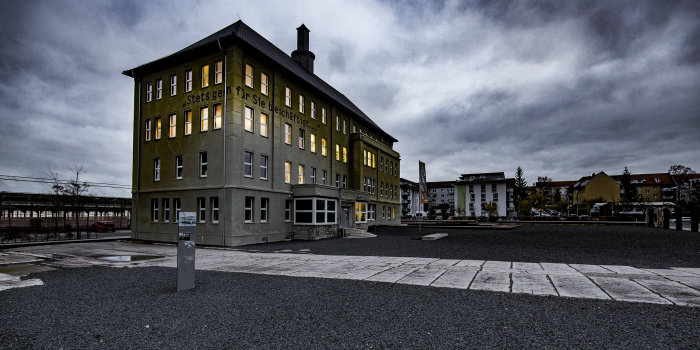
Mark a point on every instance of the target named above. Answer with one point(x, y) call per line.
point(166, 210)
point(354, 129)
point(495, 197)
point(218, 72)
point(345, 127)
point(313, 110)
point(154, 210)
point(264, 87)
point(381, 164)
point(248, 122)
point(173, 84)
point(214, 209)
point(249, 75)
point(205, 75)
point(156, 169)
point(381, 189)
point(370, 159)
point(302, 138)
point(248, 216)
point(287, 96)
point(288, 210)
point(188, 80)
point(201, 209)
point(383, 212)
point(287, 172)
point(188, 122)
point(313, 143)
point(173, 126)
point(345, 155)
point(300, 178)
point(313, 175)
point(159, 89)
point(263, 167)
point(323, 115)
point(217, 116)
point(301, 103)
point(337, 123)
point(264, 203)
point(345, 181)
point(337, 151)
point(247, 164)
point(202, 164)
point(314, 211)
point(148, 130)
point(263, 124)
point(204, 118)
point(493, 187)
point(360, 212)
point(337, 180)
point(178, 167)
point(288, 134)
point(158, 127)
point(371, 208)
point(176, 207)
point(149, 92)
point(324, 151)
point(323, 177)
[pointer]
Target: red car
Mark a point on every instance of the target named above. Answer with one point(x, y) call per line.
point(102, 226)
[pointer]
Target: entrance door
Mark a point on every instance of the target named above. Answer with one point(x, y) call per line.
point(345, 217)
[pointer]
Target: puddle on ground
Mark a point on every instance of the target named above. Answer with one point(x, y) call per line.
point(126, 258)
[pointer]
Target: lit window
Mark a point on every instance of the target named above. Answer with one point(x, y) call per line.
point(205, 75)
point(313, 175)
point(302, 138)
point(264, 86)
point(217, 116)
point(204, 118)
point(324, 151)
point(176, 207)
point(188, 122)
point(203, 164)
point(287, 96)
point(263, 124)
point(158, 128)
point(263, 167)
point(345, 155)
point(248, 75)
point(248, 123)
point(360, 212)
point(188, 80)
point(313, 143)
point(264, 203)
point(173, 125)
point(178, 167)
point(323, 115)
point(159, 89)
point(249, 203)
point(173, 85)
point(313, 110)
point(301, 103)
point(247, 164)
point(214, 209)
point(149, 92)
point(154, 210)
point(201, 209)
point(300, 178)
point(166, 210)
point(148, 130)
point(287, 172)
point(337, 151)
point(218, 72)
point(156, 169)
point(288, 134)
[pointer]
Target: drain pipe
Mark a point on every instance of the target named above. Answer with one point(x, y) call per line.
point(135, 213)
point(223, 130)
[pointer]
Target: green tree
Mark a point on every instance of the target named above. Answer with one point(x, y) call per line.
point(491, 208)
point(525, 207)
point(680, 175)
point(630, 191)
point(562, 206)
point(537, 200)
point(520, 185)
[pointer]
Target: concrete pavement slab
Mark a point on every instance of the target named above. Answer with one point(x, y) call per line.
point(456, 278)
point(577, 286)
point(692, 282)
point(444, 262)
point(491, 265)
point(492, 281)
point(393, 274)
point(584, 268)
point(671, 272)
point(532, 284)
point(628, 270)
point(673, 291)
point(627, 290)
point(693, 270)
point(470, 263)
point(422, 277)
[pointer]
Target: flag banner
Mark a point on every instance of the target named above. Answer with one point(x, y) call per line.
point(422, 184)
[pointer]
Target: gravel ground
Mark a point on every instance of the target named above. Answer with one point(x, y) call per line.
point(600, 245)
point(137, 308)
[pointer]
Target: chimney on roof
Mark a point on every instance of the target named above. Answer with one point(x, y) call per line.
point(302, 55)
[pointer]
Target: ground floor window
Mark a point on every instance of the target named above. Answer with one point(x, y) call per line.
point(314, 211)
point(214, 209)
point(264, 203)
point(360, 212)
point(371, 209)
point(288, 210)
point(249, 201)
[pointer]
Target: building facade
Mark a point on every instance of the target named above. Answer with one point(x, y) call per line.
point(597, 187)
point(474, 190)
point(441, 195)
point(256, 144)
point(410, 198)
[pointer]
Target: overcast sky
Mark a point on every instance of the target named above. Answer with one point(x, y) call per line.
point(562, 89)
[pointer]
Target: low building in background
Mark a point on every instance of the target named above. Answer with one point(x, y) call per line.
point(598, 187)
point(474, 190)
point(442, 197)
point(410, 198)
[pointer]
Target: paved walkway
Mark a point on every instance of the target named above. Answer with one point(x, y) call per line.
point(674, 286)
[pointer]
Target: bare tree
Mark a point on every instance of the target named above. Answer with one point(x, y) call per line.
point(680, 175)
point(73, 189)
point(57, 189)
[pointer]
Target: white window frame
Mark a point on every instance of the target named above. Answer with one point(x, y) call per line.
point(315, 210)
point(178, 167)
point(176, 209)
point(203, 164)
point(204, 119)
point(287, 172)
point(248, 205)
point(324, 173)
point(248, 119)
point(361, 212)
point(149, 91)
point(156, 169)
point(302, 138)
point(158, 127)
point(264, 84)
point(188, 123)
point(172, 127)
point(302, 107)
point(201, 209)
point(300, 174)
point(264, 212)
point(247, 164)
point(263, 124)
point(323, 115)
point(324, 149)
point(313, 110)
point(205, 76)
point(218, 72)
point(173, 84)
point(188, 80)
point(214, 209)
point(287, 96)
point(159, 89)
point(288, 210)
point(287, 133)
point(312, 141)
point(166, 209)
point(312, 178)
point(249, 78)
point(148, 130)
point(154, 209)
point(217, 116)
point(263, 166)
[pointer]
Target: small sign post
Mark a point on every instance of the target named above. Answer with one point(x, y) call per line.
point(187, 232)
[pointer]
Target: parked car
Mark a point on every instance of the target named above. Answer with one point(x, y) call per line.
point(102, 226)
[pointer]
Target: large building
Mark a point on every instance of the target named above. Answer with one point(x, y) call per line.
point(441, 195)
point(410, 198)
point(256, 144)
point(474, 190)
